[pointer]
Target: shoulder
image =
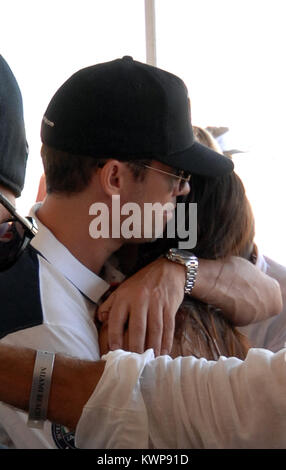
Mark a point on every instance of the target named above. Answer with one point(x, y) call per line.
point(277, 271)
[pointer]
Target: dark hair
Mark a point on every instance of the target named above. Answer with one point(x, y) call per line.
point(203, 331)
point(70, 174)
point(225, 221)
point(225, 226)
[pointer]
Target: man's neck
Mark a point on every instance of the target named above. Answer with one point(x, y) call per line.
point(68, 219)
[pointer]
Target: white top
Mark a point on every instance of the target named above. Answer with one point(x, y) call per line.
point(142, 402)
point(270, 333)
point(68, 293)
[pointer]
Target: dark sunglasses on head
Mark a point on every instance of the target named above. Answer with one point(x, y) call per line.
point(15, 234)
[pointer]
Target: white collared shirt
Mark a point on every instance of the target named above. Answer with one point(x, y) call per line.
point(91, 285)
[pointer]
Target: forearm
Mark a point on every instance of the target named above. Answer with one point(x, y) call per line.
point(16, 373)
point(243, 292)
point(73, 381)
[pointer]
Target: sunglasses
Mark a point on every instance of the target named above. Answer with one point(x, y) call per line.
point(178, 174)
point(182, 177)
point(15, 235)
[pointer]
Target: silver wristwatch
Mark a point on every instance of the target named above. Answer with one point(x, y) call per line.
point(191, 263)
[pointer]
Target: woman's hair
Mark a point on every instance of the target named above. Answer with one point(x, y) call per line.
point(225, 222)
point(225, 227)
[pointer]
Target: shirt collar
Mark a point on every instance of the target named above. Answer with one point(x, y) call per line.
point(87, 282)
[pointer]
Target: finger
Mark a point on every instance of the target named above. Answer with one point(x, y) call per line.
point(104, 309)
point(137, 328)
point(103, 339)
point(118, 316)
point(169, 321)
point(155, 329)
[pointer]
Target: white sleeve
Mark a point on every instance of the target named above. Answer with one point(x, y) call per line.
point(270, 333)
point(115, 416)
point(188, 403)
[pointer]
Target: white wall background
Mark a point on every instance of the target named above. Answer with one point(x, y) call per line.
point(230, 54)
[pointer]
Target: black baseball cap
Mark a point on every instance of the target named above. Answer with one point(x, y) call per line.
point(13, 144)
point(128, 110)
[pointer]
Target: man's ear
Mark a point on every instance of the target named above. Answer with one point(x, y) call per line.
point(112, 177)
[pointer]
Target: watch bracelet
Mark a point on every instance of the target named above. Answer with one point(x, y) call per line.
point(191, 275)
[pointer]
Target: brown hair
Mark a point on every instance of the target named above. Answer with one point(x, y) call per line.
point(225, 226)
point(203, 331)
point(225, 222)
point(70, 174)
point(67, 173)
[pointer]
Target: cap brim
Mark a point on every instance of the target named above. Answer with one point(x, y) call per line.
point(201, 160)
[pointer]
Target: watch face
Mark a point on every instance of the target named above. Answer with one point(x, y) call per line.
point(183, 254)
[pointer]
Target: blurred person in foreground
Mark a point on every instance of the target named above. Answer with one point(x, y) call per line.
point(13, 154)
point(13, 144)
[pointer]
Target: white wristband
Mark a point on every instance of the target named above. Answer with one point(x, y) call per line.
point(40, 392)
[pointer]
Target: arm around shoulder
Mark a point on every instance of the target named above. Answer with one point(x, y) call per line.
point(244, 293)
